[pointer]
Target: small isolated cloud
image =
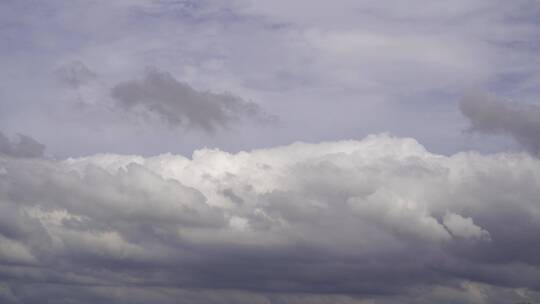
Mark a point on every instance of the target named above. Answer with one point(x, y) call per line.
point(75, 74)
point(380, 220)
point(20, 146)
point(158, 94)
point(490, 115)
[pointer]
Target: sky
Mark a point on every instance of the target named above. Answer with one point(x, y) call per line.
point(241, 151)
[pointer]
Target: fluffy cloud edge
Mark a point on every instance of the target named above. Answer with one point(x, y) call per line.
point(377, 219)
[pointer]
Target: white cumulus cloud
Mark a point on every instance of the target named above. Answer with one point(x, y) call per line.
point(364, 218)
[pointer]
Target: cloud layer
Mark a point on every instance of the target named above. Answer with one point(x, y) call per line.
point(373, 221)
point(329, 71)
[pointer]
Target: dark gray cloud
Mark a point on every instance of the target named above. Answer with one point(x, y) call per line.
point(490, 115)
point(373, 221)
point(21, 146)
point(176, 103)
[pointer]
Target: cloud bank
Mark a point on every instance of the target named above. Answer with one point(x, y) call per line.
point(380, 220)
point(491, 116)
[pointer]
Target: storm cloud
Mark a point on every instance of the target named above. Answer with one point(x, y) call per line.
point(380, 219)
point(176, 103)
point(490, 115)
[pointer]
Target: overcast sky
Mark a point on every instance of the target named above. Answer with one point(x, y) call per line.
point(242, 151)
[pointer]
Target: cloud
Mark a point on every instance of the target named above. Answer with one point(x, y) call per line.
point(380, 220)
point(349, 64)
point(489, 115)
point(75, 74)
point(20, 146)
point(464, 227)
point(176, 103)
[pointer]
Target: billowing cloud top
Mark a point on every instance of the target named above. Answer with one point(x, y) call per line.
point(378, 220)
